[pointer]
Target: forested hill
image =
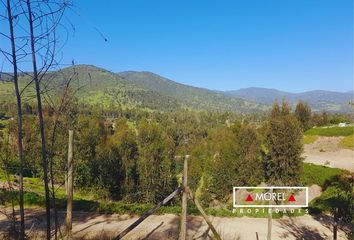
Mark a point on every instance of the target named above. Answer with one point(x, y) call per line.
point(135, 90)
point(319, 100)
point(188, 96)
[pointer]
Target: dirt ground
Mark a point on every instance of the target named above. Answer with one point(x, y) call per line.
point(99, 226)
point(325, 151)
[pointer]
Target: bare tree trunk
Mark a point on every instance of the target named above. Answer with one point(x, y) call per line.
point(183, 225)
point(56, 221)
point(41, 120)
point(19, 119)
point(51, 171)
point(57, 113)
point(69, 206)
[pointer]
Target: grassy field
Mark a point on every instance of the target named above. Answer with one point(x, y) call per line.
point(315, 174)
point(330, 131)
point(347, 142)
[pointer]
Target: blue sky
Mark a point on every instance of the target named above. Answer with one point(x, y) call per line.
point(293, 45)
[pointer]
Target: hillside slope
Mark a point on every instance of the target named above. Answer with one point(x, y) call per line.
point(144, 90)
point(319, 100)
point(190, 97)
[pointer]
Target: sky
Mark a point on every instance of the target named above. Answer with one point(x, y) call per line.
point(291, 45)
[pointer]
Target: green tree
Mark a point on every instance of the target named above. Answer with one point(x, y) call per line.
point(90, 136)
point(250, 155)
point(303, 115)
point(283, 148)
point(337, 199)
point(155, 162)
point(123, 144)
point(234, 160)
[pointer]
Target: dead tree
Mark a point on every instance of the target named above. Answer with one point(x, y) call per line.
point(12, 57)
point(43, 19)
point(37, 23)
point(63, 108)
point(41, 119)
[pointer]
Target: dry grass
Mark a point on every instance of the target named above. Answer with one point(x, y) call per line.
point(308, 139)
point(347, 142)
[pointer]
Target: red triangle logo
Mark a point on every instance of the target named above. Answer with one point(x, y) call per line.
point(249, 198)
point(292, 198)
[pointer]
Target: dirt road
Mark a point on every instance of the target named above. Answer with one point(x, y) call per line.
point(98, 226)
point(325, 151)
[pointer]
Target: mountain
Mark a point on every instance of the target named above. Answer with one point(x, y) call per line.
point(319, 100)
point(132, 89)
point(188, 96)
point(146, 90)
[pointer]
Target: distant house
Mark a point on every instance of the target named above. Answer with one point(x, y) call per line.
point(342, 124)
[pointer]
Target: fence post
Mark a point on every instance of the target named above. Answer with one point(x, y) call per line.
point(69, 191)
point(183, 224)
point(200, 208)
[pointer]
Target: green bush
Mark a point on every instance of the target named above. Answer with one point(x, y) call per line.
point(29, 198)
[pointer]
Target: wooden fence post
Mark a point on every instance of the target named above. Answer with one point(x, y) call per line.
point(200, 208)
point(69, 191)
point(183, 224)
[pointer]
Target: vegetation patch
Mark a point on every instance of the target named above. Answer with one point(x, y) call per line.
point(119, 207)
point(330, 131)
point(347, 142)
point(308, 139)
point(316, 174)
